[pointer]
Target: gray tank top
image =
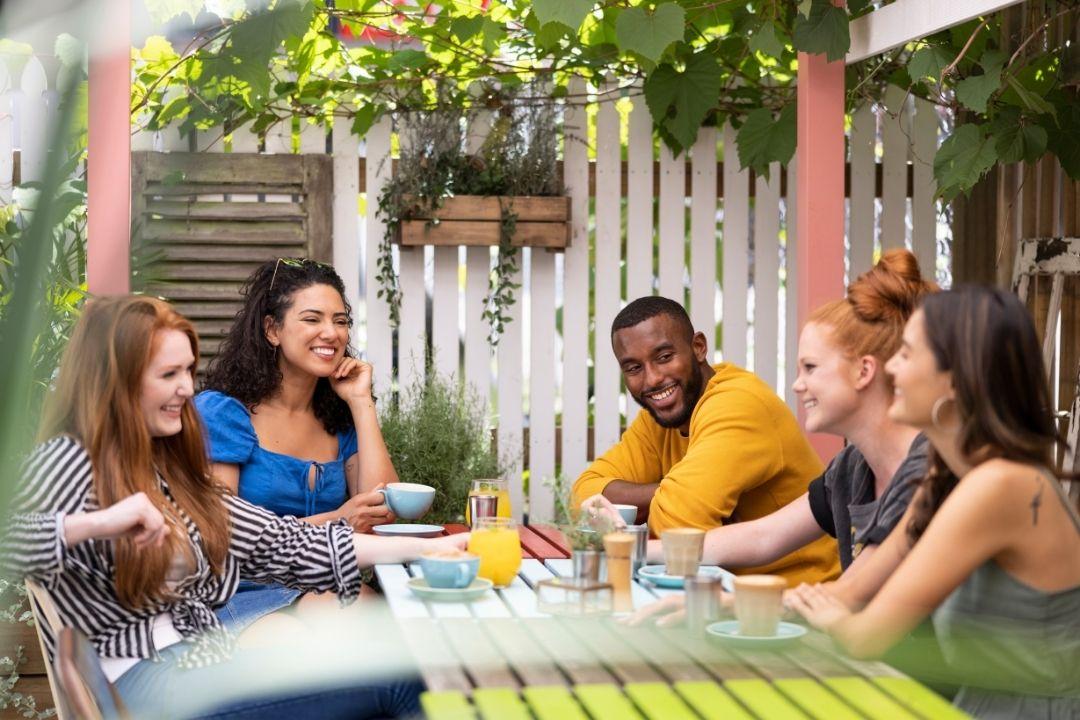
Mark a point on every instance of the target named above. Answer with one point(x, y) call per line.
point(1016, 649)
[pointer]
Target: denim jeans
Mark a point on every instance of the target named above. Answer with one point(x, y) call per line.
point(252, 601)
point(163, 690)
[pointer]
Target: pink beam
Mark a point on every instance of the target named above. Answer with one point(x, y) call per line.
point(820, 196)
point(109, 153)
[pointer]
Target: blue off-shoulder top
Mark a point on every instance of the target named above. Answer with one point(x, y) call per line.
point(279, 483)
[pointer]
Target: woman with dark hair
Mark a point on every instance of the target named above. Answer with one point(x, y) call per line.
point(117, 517)
point(290, 413)
point(990, 544)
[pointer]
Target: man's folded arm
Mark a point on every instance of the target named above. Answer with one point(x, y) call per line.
point(733, 449)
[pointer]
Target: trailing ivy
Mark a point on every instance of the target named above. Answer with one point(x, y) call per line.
point(517, 158)
point(696, 63)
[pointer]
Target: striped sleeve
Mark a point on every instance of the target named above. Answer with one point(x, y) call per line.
point(285, 550)
point(54, 482)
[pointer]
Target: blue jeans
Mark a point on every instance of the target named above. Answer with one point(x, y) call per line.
point(163, 690)
point(252, 601)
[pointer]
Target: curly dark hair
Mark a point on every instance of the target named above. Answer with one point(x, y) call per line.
point(246, 365)
point(986, 338)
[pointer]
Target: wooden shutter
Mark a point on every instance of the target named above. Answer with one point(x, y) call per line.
point(203, 222)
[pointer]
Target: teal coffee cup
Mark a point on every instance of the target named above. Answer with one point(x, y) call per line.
point(408, 501)
point(628, 513)
point(453, 569)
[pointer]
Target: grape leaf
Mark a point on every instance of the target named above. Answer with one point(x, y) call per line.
point(962, 159)
point(763, 139)
point(649, 34)
point(255, 39)
point(1020, 142)
point(766, 41)
point(570, 13)
point(928, 62)
point(679, 101)
point(824, 31)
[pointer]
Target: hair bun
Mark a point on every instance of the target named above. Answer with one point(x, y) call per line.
point(890, 290)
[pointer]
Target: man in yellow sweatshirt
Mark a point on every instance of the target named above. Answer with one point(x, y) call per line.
point(715, 445)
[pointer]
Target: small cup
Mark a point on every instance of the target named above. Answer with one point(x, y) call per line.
point(628, 513)
point(450, 570)
point(641, 546)
point(682, 550)
point(702, 600)
point(759, 601)
point(408, 501)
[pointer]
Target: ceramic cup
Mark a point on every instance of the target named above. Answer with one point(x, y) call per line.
point(408, 501)
point(759, 602)
point(628, 513)
point(449, 569)
point(682, 550)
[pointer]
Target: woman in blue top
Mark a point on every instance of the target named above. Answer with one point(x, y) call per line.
point(290, 414)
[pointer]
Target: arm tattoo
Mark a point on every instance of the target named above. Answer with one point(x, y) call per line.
point(1035, 503)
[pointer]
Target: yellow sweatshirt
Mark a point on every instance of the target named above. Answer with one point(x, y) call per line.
point(745, 458)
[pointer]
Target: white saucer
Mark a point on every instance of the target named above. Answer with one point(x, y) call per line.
point(728, 632)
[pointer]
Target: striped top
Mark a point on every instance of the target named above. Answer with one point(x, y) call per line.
point(57, 480)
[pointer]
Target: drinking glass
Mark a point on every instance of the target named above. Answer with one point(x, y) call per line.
point(498, 544)
point(490, 486)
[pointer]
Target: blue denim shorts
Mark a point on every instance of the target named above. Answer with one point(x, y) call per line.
point(252, 601)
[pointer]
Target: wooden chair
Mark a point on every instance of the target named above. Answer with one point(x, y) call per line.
point(78, 684)
point(1059, 259)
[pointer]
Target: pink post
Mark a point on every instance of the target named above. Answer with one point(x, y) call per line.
point(820, 193)
point(109, 152)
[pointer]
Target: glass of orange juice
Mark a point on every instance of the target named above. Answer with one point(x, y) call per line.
point(490, 486)
point(498, 544)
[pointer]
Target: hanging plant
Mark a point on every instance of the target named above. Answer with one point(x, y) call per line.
point(506, 194)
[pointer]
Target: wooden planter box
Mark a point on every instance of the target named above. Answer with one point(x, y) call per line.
point(475, 220)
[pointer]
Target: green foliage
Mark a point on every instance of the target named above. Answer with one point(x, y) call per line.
point(650, 33)
point(764, 139)
point(683, 98)
point(517, 158)
point(437, 435)
point(964, 157)
point(570, 13)
point(700, 63)
point(825, 30)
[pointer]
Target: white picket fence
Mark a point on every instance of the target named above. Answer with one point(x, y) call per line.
point(27, 100)
point(538, 382)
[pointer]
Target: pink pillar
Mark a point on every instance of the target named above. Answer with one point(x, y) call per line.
point(109, 152)
point(820, 194)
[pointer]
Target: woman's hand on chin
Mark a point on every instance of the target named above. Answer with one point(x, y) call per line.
point(366, 510)
point(351, 380)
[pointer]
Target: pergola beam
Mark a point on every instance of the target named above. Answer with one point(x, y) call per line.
point(907, 20)
point(108, 201)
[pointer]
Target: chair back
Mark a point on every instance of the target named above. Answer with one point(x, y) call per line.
point(79, 687)
point(1059, 260)
point(45, 619)
point(86, 693)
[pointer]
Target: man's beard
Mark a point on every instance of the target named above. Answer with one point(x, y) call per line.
point(691, 391)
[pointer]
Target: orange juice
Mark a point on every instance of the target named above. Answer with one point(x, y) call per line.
point(490, 487)
point(498, 544)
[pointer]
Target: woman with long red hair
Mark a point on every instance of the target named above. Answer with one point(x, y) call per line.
point(118, 518)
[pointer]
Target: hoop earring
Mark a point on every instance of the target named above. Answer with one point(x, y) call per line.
point(934, 411)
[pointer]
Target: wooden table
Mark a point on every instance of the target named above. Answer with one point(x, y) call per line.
point(500, 657)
